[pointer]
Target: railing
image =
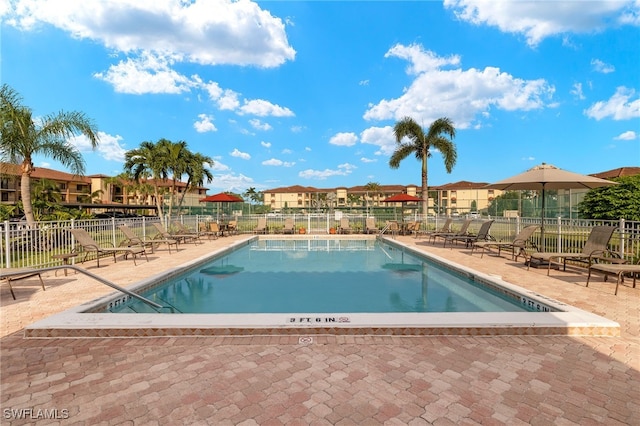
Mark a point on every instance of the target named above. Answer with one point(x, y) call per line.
point(35, 247)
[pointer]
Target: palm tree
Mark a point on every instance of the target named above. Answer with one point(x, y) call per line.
point(420, 145)
point(176, 154)
point(23, 138)
point(196, 172)
point(374, 189)
point(148, 160)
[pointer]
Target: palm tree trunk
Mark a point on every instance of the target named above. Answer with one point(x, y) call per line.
point(25, 191)
point(425, 189)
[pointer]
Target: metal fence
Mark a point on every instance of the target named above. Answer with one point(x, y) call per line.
point(45, 244)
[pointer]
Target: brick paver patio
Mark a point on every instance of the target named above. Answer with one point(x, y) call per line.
point(331, 380)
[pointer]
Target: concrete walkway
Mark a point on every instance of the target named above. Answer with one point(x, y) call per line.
point(326, 380)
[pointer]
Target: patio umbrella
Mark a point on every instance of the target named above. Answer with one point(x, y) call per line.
point(402, 198)
point(546, 176)
point(220, 198)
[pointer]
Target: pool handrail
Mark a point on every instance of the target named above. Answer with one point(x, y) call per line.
point(105, 282)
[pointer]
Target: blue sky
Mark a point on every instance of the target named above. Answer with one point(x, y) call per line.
point(281, 93)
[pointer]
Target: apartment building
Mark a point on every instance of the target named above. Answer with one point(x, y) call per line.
point(95, 192)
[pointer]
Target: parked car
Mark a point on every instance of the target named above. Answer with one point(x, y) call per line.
point(473, 215)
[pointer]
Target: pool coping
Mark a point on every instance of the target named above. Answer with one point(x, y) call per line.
point(562, 319)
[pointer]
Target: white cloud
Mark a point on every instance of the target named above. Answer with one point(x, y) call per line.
point(228, 100)
point(199, 31)
point(627, 136)
point(263, 108)
point(344, 139)
point(219, 166)
point(342, 170)
point(108, 147)
point(146, 74)
point(539, 20)
point(461, 95)
point(205, 124)
point(600, 66)
point(297, 129)
point(266, 144)
point(381, 137)
point(237, 153)
point(259, 125)
point(277, 163)
point(287, 151)
point(368, 160)
point(621, 106)
point(231, 182)
point(577, 91)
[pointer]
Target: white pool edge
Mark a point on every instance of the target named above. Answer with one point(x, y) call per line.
point(567, 320)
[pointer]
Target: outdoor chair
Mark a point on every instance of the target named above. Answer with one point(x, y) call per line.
point(289, 226)
point(444, 229)
point(460, 233)
point(618, 269)
point(184, 229)
point(205, 231)
point(17, 274)
point(180, 237)
point(518, 244)
point(89, 245)
point(131, 239)
point(596, 246)
point(482, 235)
point(232, 227)
point(261, 228)
point(370, 225)
point(345, 226)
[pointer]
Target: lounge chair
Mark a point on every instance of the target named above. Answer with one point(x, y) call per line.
point(131, 239)
point(482, 235)
point(17, 274)
point(461, 232)
point(392, 227)
point(618, 269)
point(289, 226)
point(518, 244)
point(345, 226)
point(89, 245)
point(444, 229)
point(261, 228)
point(370, 225)
point(184, 229)
point(214, 229)
point(181, 238)
point(595, 246)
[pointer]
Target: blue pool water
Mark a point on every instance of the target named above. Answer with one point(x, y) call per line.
point(322, 276)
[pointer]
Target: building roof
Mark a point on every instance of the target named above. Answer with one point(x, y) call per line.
point(461, 185)
point(619, 172)
point(42, 173)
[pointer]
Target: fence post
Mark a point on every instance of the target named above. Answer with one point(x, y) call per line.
point(622, 237)
point(113, 231)
point(7, 252)
point(559, 248)
point(144, 227)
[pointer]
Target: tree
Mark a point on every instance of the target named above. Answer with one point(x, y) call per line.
point(23, 137)
point(420, 144)
point(613, 202)
point(196, 172)
point(149, 160)
point(373, 189)
point(176, 155)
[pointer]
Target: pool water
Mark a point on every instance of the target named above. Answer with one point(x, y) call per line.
point(322, 276)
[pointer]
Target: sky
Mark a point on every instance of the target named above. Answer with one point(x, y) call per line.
point(284, 93)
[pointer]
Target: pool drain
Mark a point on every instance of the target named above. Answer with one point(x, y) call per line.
point(305, 340)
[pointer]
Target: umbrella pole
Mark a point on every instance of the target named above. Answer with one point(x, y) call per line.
point(542, 243)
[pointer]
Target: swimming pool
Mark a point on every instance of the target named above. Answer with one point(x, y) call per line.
point(550, 317)
point(322, 276)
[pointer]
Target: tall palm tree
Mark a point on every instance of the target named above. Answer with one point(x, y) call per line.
point(149, 160)
point(23, 137)
point(176, 154)
point(420, 144)
point(196, 172)
point(372, 188)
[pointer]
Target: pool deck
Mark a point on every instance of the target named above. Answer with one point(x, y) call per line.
point(320, 379)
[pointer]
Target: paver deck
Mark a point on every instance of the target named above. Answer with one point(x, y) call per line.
point(321, 379)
